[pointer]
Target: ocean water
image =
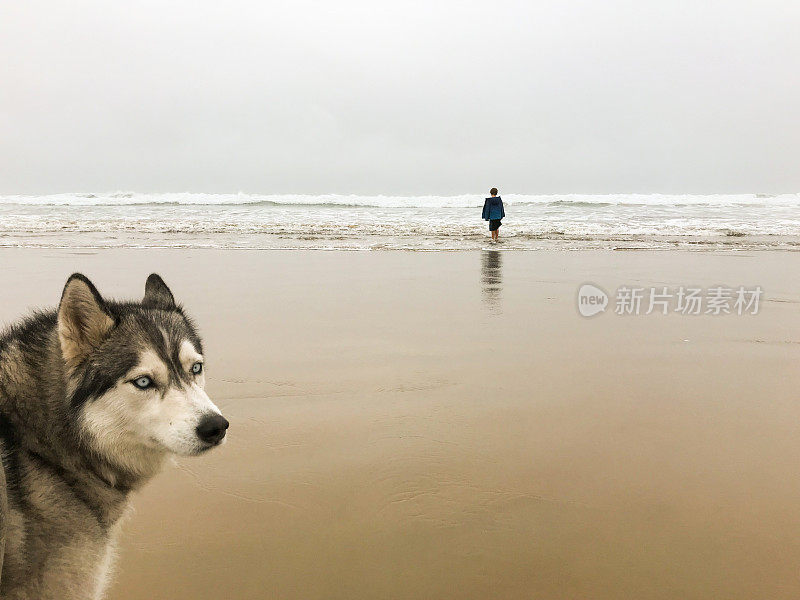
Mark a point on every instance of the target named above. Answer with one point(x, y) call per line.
point(615, 221)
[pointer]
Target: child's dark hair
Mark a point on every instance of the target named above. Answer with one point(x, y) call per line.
point(493, 191)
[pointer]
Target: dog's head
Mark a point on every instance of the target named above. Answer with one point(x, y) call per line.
point(135, 373)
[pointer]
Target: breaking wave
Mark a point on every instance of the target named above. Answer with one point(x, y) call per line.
point(381, 201)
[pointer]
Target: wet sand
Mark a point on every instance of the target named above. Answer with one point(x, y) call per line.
point(445, 425)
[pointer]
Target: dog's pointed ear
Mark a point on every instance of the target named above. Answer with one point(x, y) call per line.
point(157, 294)
point(84, 320)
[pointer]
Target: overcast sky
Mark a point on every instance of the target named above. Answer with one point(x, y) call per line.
point(400, 97)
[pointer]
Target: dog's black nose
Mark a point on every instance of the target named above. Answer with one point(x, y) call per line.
point(212, 428)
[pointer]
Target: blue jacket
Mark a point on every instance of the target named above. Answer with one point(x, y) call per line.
point(493, 209)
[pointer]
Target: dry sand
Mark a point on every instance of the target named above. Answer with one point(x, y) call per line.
point(445, 425)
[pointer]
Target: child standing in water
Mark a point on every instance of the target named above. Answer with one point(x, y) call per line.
point(493, 211)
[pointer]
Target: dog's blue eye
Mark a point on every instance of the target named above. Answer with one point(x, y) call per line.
point(143, 382)
point(197, 368)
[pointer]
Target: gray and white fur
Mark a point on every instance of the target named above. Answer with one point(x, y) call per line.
point(93, 397)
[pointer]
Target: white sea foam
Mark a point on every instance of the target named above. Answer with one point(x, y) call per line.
point(408, 222)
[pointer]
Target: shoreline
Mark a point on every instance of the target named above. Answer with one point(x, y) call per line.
point(421, 243)
point(749, 221)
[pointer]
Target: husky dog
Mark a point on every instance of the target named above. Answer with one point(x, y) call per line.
point(93, 397)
